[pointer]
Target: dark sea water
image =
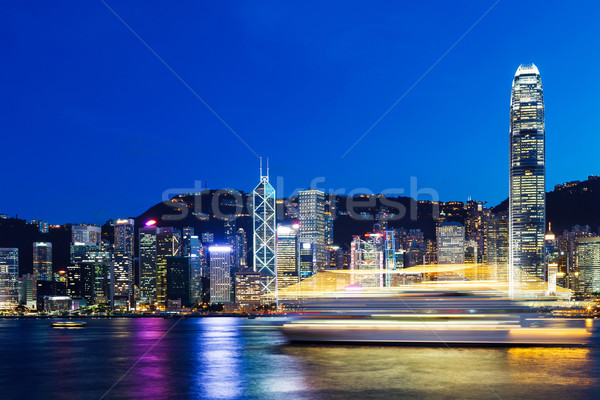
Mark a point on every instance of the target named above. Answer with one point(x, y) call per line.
point(233, 358)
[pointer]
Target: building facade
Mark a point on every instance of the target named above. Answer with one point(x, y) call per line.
point(9, 276)
point(451, 243)
point(264, 227)
point(588, 265)
point(527, 197)
point(122, 274)
point(288, 256)
point(42, 261)
point(220, 274)
point(313, 225)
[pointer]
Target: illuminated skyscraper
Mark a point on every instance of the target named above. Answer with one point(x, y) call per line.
point(42, 261)
point(242, 248)
point(451, 243)
point(186, 235)
point(9, 276)
point(264, 220)
point(147, 264)
point(497, 240)
point(527, 200)
point(122, 277)
point(195, 256)
point(220, 274)
point(312, 224)
point(168, 244)
point(287, 256)
point(247, 289)
point(588, 264)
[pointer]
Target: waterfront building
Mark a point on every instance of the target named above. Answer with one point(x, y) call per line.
point(451, 243)
point(90, 274)
point(122, 274)
point(168, 244)
point(247, 289)
point(9, 276)
point(588, 265)
point(220, 274)
point(287, 256)
point(264, 232)
point(147, 264)
point(527, 197)
point(313, 225)
point(178, 280)
point(27, 291)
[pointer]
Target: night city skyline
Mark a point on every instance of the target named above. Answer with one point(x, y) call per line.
point(241, 200)
point(140, 112)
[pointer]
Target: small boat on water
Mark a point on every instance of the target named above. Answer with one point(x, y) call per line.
point(68, 324)
point(433, 319)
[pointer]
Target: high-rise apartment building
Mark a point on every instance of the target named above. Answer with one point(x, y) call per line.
point(527, 198)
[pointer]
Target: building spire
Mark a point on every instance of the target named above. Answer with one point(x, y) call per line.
point(260, 163)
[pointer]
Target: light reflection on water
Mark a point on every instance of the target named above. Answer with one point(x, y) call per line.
point(228, 358)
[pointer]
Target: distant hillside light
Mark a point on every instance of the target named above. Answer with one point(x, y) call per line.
point(152, 222)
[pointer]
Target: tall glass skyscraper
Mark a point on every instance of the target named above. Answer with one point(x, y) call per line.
point(527, 202)
point(287, 256)
point(312, 224)
point(122, 276)
point(42, 261)
point(264, 220)
point(147, 264)
point(220, 274)
point(9, 276)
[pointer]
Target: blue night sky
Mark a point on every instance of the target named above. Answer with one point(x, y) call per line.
point(96, 127)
